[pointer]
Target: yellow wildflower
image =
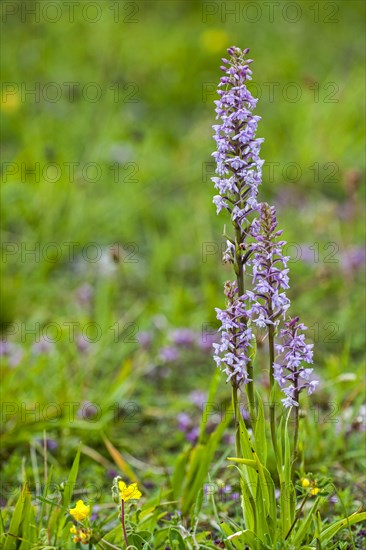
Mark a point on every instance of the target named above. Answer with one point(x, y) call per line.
point(82, 534)
point(305, 482)
point(314, 491)
point(131, 491)
point(80, 512)
point(214, 40)
point(9, 101)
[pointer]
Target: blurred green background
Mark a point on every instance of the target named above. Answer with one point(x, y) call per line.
point(118, 131)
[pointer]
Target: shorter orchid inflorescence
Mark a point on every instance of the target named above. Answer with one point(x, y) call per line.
point(289, 371)
point(233, 352)
point(269, 269)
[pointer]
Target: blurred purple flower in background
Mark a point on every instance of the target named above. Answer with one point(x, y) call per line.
point(206, 340)
point(198, 398)
point(43, 347)
point(184, 422)
point(168, 354)
point(145, 339)
point(83, 344)
point(84, 294)
point(192, 435)
point(88, 411)
point(11, 352)
point(51, 444)
point(184, 337)
point(186, 425)
point(353, 259)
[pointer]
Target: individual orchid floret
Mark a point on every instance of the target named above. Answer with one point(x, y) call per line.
point(289, 371)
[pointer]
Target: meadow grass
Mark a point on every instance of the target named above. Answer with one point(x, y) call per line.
point(150, 139)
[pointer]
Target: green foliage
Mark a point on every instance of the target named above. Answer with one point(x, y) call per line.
point(158, 211)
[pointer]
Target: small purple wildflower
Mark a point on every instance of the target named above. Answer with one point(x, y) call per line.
point(353, 259)
point(83, 343)
point(42, 347)
point(291, 376)
point(198, 398)
point(84, 294)
point(206, 340)
point(12, 352)
point(51, 444)
point(5, 348)
point(88, 411)
point(168, 354)
point(145, 339)
point(228, 439)
point(225, 493)
point(184, 337)
point(94, 516)
point(184, 422)
point(192, 435)
point(186, 425)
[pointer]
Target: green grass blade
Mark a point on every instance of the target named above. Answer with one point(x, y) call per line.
point(260, 433)
point(68, 492)
point(300, 534)
point(14, 528)
point(248, 538)
point(333, 529)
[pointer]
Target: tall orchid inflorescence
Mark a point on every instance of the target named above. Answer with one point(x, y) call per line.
point(255, 247)
point(239, 173)
point(239, 166)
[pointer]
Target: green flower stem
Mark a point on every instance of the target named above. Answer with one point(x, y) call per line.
point(250, 393)
point(239, 270)
point(297, 516)
point(296, 432)
point(271, 384)
point(237, 422)
point(122, 518)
